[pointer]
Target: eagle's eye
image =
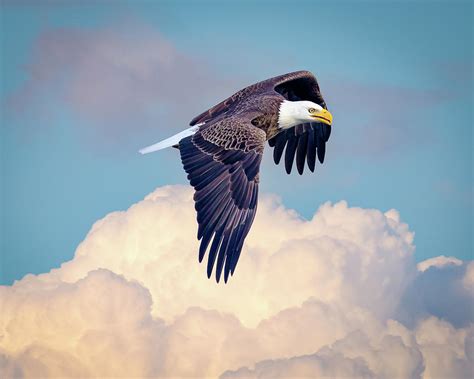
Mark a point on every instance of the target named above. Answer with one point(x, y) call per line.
point(312, 110)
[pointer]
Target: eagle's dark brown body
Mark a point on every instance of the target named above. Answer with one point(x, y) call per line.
point(223, 158)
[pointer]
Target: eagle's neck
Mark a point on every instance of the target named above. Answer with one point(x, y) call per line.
point(287, 115)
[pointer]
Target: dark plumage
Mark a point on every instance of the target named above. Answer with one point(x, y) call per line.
point(222, 152)
point(223, 157)
point(222, 162)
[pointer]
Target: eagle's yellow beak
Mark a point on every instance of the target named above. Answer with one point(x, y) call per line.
point(323, 116)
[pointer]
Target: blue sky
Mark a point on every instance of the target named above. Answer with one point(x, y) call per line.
point(80, 95)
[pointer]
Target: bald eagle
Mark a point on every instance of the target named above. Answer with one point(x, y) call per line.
point(222, 150)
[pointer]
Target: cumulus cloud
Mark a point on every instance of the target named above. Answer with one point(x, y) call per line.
point(307, 366)
point(439, 262)
point(79, 329)
point(443, 283)
point(339, 256)
point(433, 350)
point(319, 297)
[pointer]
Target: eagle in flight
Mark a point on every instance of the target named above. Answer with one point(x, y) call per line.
point(222, 150)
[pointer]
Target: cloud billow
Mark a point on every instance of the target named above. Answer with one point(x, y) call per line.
point(335, 295)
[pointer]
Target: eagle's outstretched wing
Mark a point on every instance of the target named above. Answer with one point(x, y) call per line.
point(299, 85)
point(305, 141)
point(222, 161)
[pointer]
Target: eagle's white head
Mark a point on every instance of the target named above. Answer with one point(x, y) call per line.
point(299, 112)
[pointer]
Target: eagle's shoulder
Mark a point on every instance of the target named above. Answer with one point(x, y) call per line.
point(235, 133)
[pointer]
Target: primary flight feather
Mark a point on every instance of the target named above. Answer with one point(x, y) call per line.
point(222, 150)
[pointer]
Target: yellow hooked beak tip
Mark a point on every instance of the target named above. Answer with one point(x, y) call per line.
point(323, 116)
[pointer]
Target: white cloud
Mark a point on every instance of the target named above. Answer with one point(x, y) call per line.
point(439, 262)
point(309, 297)
point(440, 289)
point(80, 329)
point(468, 279)
point(444, 349)
point(433, 350)
point(323, 365)
point(339, 256)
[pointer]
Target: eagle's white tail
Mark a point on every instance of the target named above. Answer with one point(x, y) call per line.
point(174, 140)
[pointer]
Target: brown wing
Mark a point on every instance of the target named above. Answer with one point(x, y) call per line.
point(228, 103)
point(222, 161)
point(299, 85)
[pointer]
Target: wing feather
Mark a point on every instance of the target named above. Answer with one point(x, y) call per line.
point(223, 158)
point(301, 152)
point(222, 162)
point(294, 85)
point(280, 143)
point(290, 152)
point(311, 151)
point(307, 140)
